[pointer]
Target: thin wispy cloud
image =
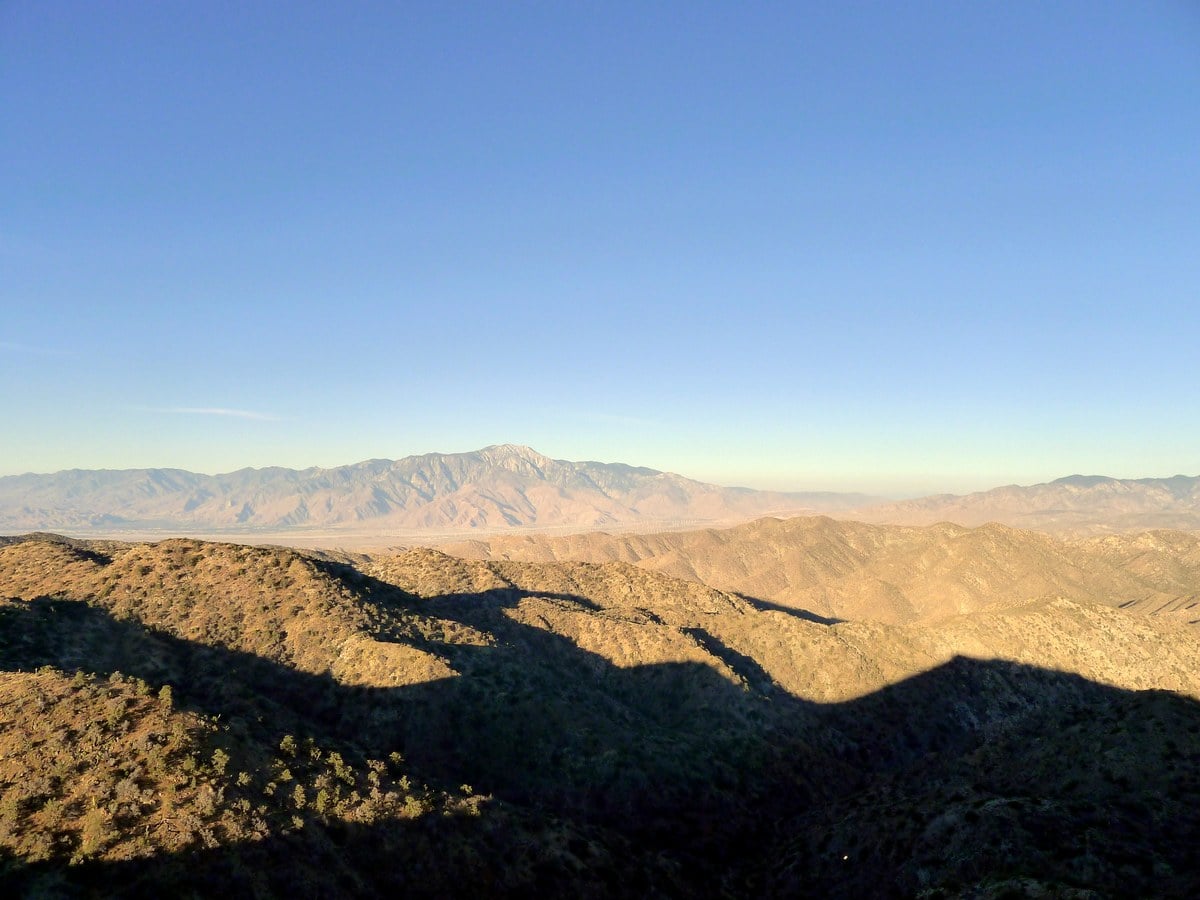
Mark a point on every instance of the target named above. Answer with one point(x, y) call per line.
point(215, 411)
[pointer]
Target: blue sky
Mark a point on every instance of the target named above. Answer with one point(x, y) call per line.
point(899, 247)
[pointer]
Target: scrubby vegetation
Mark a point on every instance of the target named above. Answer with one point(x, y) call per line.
point(203, 718)
point(106, 768)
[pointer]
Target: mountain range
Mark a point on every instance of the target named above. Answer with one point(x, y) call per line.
point(501, 486)
point(1075, 505)
point(506, 487)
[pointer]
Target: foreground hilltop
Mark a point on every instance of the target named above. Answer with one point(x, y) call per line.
point(188, 716)
point(887, 573)
point(496, 487)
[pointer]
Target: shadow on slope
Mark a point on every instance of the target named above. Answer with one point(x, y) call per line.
point(807, 615)
point(669, 778)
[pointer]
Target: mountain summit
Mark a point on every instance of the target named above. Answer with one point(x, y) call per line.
point(500, 486)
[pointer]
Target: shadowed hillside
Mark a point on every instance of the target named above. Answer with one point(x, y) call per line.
point(188, 716)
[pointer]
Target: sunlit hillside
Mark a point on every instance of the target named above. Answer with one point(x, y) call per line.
point(187, 715)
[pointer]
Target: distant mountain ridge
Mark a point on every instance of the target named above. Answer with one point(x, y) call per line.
point(1074, 505)
point(500, 486)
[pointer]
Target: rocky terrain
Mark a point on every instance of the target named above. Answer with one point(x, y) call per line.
point(497, 487)
point(886, 573)
point(191, 717)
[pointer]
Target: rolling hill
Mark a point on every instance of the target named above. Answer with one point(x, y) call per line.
point(213, 718)
point(850, 570)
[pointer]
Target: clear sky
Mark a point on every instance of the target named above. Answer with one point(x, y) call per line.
point(891, 246)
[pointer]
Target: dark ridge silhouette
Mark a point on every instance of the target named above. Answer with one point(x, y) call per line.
point(974, 778)
point(1090, 793)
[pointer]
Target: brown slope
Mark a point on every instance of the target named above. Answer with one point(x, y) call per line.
point(851, 570)
point(318, 617)
point(115, 787)
point(678, 729)
point(641, 616)
point(274, 603)
point(1166, 562)
point(297, 611)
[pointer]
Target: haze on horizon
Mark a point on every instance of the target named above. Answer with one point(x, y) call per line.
point(893, 249)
